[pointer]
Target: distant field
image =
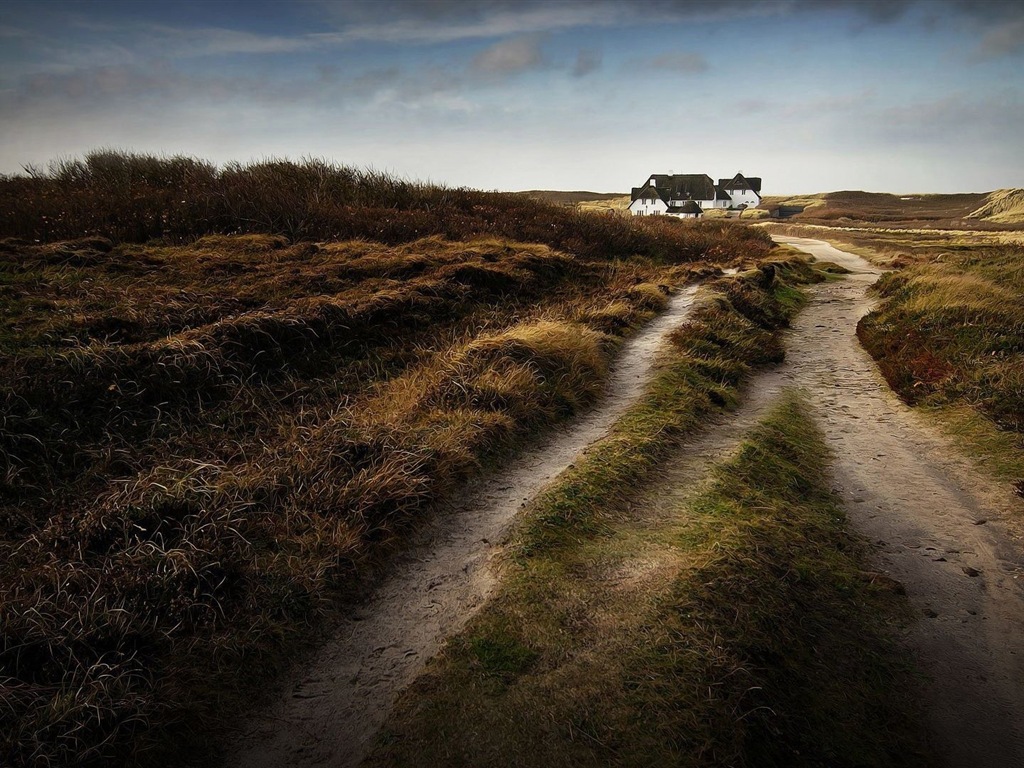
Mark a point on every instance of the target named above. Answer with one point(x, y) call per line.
point(571, 198)
point(985, 210)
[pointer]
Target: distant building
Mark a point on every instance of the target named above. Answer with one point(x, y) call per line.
point(742, 191)
point(688, 195)
point(688, 210)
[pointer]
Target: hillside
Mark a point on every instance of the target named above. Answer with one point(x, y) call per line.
point(1004, 206)
point(852, 207)
point(570, 198)
point(236, 391)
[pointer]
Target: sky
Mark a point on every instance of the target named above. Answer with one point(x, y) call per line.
point(811, 95)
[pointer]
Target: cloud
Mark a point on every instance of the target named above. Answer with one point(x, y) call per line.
point(110, 87)
point(509, 57)
point(443, 21)
point(1005, 39)
point(215, 41)
point(982, 117)
point(446, 22)
point(587, 60)
point(873, 11)
point(752, 106)
point(13, 32)
point(687, 63)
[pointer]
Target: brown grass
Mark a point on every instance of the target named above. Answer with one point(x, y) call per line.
point(207, 447)
point(136, 198)
point(951, 332)
point(1004, 206)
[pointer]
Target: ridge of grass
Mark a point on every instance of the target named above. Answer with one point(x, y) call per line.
point(136, 198)
point(733, 628)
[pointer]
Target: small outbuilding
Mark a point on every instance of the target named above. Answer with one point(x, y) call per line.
point(689, 210)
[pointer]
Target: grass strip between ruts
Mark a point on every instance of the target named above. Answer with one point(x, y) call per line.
point(732, 627)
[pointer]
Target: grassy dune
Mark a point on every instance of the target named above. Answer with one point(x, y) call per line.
point(734, 629)
point(1004, 206)
point(853, 208)
point(138, 198)
point(951, 332)
point(212, 439)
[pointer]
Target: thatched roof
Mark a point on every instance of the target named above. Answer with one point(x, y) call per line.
point(680, 186)
point(739, 181)
point(645, 193)
point(690, 206)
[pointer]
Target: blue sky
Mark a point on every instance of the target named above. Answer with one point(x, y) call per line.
point(812, 95)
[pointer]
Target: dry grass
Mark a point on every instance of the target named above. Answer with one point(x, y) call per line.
point(208, 447)
point(951, 331)
point(805, 201)
point(851, 209)
point(733, 628)
point(137, 198)
point(1004, 206)
point(615, 205)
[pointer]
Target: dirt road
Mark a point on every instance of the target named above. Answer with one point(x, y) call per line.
point(938, 526)
point(330, 713)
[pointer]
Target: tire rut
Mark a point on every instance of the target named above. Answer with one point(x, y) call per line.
point(942, 530)
point(937, 527)
point(332, 709)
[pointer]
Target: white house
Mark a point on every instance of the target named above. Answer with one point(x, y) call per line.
point(742, 191)
point(669, 195)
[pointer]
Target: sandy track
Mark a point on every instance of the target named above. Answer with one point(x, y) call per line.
point(939, 528)
point(904, 489)
point(330, 713)
point(918, 502)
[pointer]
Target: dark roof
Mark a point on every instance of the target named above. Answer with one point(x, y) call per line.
point(645, 193)
point(680, 186)
point(739, 181)
point(672, 188)
point(690, 206)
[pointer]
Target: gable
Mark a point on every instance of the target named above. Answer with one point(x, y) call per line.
point(741, 182)
point(645, 193)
